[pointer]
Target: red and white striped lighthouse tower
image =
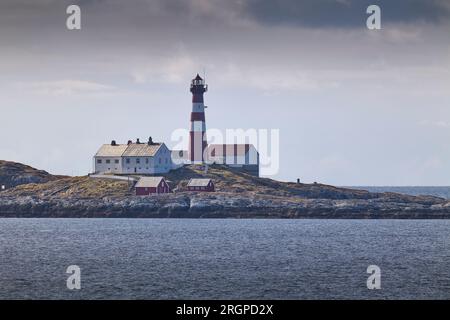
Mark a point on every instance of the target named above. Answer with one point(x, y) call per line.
point(197, 142)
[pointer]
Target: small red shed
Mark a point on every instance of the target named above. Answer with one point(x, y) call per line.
point(201, 185)
point(148, 185)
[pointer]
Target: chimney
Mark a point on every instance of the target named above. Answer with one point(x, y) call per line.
point(137, 141)
point(129, 142)
point(113, 143)
point(150, 141)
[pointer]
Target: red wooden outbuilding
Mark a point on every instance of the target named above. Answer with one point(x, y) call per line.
point(149, 185)
point(201, 185)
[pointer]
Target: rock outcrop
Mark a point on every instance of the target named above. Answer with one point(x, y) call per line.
point(14, 174)
point(238, 196)
point(220, 205)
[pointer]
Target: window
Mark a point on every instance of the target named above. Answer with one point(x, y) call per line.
point(108, 161)
point(127, 160)
point(146, 160)
point(160, 160)
point(166, 160)
point(99, 161)
point(138, 160)
point(116, 161)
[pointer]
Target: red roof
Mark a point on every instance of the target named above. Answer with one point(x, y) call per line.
point(216, 150)
point(199, 182)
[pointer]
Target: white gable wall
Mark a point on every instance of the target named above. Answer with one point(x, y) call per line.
point(163, 160)
point(108, 164)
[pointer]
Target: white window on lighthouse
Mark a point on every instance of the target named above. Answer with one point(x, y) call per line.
point(198, 126)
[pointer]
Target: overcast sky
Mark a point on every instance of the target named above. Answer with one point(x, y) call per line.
point(353, 106)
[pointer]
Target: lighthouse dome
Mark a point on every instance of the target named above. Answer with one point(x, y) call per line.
point(199, 83)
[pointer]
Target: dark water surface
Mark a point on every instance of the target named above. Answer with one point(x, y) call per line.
point(201, 259)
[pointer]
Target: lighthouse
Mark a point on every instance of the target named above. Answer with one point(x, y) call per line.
point(197, 142)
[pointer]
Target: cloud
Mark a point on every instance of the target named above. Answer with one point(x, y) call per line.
point(175, 69)
point(168, 41)
point(348, 13)
point(271, 79)
point(210, 13)
point(65, 87)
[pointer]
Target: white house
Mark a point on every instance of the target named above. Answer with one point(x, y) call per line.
point(243, 157)
point(130, 158)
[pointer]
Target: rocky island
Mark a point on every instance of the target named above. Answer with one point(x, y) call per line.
point(35, 193)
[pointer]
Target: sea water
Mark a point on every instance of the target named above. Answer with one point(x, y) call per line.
point(224, 259)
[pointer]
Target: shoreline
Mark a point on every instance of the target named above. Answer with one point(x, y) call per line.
point(231, 218)
point(231, 207)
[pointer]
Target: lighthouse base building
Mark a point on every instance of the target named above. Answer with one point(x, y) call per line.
point(242, 157)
